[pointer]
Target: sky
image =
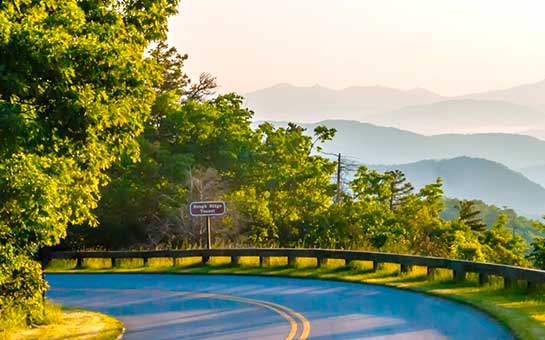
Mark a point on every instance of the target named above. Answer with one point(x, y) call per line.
point(451, 47)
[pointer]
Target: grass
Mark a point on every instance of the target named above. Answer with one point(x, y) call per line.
point(520, 310)
point(68, 323)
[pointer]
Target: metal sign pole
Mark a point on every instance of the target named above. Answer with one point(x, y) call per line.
point(209, 243)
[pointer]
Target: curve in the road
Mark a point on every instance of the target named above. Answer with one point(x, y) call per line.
point(240, 307)
point(288, 313)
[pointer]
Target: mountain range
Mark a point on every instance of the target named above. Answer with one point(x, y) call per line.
point(462, 116)
point(477, 166)
point(519, 109)
point(370, 144)
point(473, 178)
point(535, 173)
point(311, 104)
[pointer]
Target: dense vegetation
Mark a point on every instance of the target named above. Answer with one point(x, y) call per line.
point(279, 190)
point(84, 93)
point(75, 89)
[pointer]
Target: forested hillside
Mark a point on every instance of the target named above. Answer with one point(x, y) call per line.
point(474, 178)
point(279, 188)
point(489, 214)
point(105, 141)
point(371, 144)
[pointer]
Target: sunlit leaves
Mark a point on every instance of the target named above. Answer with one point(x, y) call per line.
point(75, 89)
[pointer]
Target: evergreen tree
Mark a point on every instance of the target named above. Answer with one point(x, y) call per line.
point(469, 215)
point(400, 189)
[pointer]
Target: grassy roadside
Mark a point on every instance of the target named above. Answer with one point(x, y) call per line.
point(521, 311)
point(69, 323)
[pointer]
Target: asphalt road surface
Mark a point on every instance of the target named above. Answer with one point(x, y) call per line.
point(161, 307)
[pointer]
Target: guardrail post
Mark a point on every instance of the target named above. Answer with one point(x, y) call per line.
point(205, 259)
point(145, 261)
point(458, 275)
point(430, 271)
point(79, 262)
point(173, 261)
point(534, 285)
point(347, 263)
point(322, 262)
point(235, 260)
point(484, 278)
point(405, 268)
point(264, 261)
point(376, 266)
point(509, 282)
point(292, 261)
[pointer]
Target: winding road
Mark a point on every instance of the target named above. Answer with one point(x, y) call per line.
point(161, 307)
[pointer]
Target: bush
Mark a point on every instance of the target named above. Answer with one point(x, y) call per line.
point(21, 288)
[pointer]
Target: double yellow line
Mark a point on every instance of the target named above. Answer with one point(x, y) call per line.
point(293, 317)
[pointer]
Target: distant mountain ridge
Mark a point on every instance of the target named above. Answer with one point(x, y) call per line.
point(474, 178)
point(310, 104)
point(462, 116)
point(477, 166)
point(535, 173)
point(519, 109)
point(371, 144)
point(531, 95)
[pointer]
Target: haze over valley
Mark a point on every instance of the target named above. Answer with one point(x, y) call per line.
point(519, 109)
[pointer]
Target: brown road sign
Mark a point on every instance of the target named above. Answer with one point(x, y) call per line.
point(207, 208)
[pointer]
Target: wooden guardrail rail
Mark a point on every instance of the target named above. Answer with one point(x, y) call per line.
point(460, 268)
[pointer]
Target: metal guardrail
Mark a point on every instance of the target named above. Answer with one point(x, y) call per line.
point(460, 268)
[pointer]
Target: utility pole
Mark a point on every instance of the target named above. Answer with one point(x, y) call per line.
point(339, 178)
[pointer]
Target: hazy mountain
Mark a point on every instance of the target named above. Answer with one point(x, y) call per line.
point(311, 104)
point(519, 109)
point(535, 133)
point(372, 144)
point(535, 173)
point(462, 116)
point(472, 178)
point(531, 95)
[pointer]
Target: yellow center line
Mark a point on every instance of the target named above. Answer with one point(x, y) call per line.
point(287, 313)
point(306, 324)
point(271, 306)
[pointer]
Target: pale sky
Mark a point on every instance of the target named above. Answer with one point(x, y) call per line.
point(448, 46)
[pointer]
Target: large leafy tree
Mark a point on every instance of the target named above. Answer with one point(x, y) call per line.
point(284, 189)
point(537, 255)
point(501, 246)
point(75, 89)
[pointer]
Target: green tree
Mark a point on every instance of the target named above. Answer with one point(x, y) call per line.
point(500, 246)
point(400, 189)
point(470, 216)
point(537, 255)
point(292, 187)
point(75, 88)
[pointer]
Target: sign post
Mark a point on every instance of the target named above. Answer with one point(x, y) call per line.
point(207, 209)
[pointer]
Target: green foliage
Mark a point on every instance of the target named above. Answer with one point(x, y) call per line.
point(537, 255)
point(489, 214)
point(21, 286)
point(469, 215)
point(501, 246)
point(75, 88)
